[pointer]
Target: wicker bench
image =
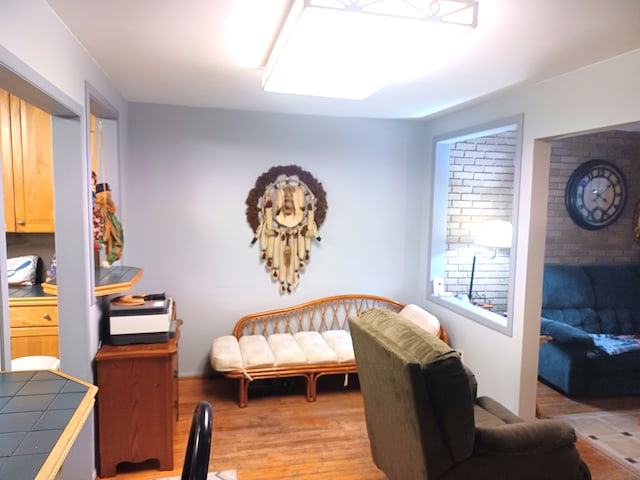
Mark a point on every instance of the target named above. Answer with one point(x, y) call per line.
point(307, 340)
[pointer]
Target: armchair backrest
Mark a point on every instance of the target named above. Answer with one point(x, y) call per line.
point(417, 397)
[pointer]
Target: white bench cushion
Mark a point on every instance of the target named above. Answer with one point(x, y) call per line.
point(286, 350)
point(225, 354)
point(340, 342)
point(280, 350)
point(256, 352)
point(315, 348)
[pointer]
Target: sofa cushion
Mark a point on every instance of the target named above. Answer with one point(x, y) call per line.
point(340, 342)
point(603, 364)
point(566, 286)
point(315, 348)
point(617, 301)
point(586, 319)
point(286, 350)
point(614, 286)
point(618, 321)
point(485, 419)
point(562, 332)
point(255, 351)
point(225, 354)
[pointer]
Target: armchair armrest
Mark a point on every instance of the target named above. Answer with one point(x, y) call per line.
point(525, 437)
point(564, 333)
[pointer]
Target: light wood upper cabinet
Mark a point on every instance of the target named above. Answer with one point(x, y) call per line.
point(27, 166)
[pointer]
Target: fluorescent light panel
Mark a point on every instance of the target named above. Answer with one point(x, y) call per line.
point(351, 49)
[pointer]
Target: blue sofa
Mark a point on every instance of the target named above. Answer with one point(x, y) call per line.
point(585, 309)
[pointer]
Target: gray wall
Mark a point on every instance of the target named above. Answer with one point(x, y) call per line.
point(54, 79)
point(186, 180)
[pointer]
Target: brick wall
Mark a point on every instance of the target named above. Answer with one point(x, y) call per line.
point(566, 242)
point(481, 180)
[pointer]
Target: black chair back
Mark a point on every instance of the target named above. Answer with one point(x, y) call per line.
point(196, 459)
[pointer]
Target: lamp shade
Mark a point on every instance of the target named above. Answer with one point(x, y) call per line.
point(495, 234)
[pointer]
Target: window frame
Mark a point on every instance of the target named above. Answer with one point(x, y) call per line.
point(439, 214)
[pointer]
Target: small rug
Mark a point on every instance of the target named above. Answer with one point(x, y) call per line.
point(614, 433)
point(222, 475)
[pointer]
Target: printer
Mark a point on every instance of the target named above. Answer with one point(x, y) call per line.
point(141, 319)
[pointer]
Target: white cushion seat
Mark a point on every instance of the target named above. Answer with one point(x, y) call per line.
point(225, 354)
point(256, 352)
point(340, 342)
point(315, 348)
point(281, 350)
point(302, 348)
point(286, 351)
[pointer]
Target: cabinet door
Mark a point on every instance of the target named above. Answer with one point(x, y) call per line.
point(6, 155)
point(33, 170)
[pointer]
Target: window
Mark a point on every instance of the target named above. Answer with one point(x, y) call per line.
point(475, 190)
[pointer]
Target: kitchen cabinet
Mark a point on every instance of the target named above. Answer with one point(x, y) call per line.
point(34, 328)
point(27, 166)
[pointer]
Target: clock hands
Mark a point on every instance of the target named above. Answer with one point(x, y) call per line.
point(599, 195)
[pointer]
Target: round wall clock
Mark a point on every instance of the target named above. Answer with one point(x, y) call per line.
point(596, 194)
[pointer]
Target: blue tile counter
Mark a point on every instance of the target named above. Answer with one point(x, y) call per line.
point(108, 281)
point(30, 295)
point(41, 414)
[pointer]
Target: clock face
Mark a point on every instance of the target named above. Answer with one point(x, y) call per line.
point(596, 194)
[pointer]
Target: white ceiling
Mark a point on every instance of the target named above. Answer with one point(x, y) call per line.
point(173, 52)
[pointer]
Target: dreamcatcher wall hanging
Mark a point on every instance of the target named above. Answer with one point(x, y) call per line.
point(285, 209)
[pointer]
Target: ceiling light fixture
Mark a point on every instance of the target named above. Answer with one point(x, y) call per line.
point(352, 48)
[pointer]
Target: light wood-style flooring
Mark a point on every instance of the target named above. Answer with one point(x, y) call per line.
point(282, 436)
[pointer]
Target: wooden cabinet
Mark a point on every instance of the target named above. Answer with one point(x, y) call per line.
point(34, 329)
point(137, 404)
point(27, 166)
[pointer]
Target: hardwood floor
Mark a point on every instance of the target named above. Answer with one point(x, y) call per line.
point(282, 436)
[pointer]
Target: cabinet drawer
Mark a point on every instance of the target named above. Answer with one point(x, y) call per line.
point(27, 341)
point(40, 316)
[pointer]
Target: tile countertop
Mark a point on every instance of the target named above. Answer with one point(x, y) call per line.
point(21, 291)
point(30, 295)
point(41, 414)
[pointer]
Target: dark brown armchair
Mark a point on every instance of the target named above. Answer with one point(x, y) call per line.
point(425, 422)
